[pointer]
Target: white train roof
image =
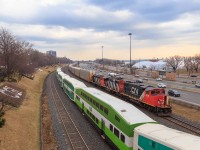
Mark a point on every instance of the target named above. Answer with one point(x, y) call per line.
point(179, 139)
point(76, 68)
point(130, 113)
point(76, 83)
point(58, 69)
point(62, 74)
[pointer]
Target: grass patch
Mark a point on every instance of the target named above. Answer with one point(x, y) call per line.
point(21, 131)
point(189, 113)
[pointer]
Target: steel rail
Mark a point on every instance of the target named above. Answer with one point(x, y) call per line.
point(76, 140)
point(184, 124)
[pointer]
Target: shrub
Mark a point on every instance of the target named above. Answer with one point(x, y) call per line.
point(2, 122)
point(13, 80)
point(1, 114)
point(2, 79)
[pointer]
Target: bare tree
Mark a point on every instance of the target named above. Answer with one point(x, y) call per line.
point(196, 62)
point(188, 63)
point(174, 62)
point(7, 45)
point(19, 57)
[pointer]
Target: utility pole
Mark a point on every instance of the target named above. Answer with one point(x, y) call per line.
point(102, 57)
point(130, 53)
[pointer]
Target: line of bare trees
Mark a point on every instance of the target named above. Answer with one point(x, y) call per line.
point(191, 63)
point(18, 56)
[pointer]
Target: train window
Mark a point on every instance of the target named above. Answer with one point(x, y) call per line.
point(87, 111)
point(155, 92)
point(97, 104)
point(77, 98)
point(106, 110)
point(147, 92)
point(116, 132)
point(117, 118)
point(90, 100)
point(122, 138)
point(153, 145)
point(97, 121)
point(94, 102)
point(111, 127)
point(101, 107)
point(93, 117)
point(162, 91)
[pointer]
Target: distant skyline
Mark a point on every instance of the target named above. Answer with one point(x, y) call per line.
point(77, 29)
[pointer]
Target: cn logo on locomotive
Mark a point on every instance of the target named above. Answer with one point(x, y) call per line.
point(134, 91)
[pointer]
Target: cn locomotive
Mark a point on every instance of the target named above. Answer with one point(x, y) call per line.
point(149, 97)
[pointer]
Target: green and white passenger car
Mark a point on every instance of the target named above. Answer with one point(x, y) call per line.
point(60, 76)
point(115, 118)
point(70, 85)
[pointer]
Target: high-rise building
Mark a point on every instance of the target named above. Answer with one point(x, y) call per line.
point(51, 52)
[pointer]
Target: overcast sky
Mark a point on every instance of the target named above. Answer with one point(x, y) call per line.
point(78, 28)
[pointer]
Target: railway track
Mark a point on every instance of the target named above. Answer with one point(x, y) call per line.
point(76, 141)
point(195, 129)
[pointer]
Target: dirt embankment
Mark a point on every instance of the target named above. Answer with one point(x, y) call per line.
point(49, 141)
point(22, 128)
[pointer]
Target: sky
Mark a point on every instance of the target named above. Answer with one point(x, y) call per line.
point(77, 29)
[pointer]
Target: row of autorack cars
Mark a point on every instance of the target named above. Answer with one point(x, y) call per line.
point(122, 124)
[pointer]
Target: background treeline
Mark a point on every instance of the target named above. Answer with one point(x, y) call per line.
point(18, 56)
point(191, 63)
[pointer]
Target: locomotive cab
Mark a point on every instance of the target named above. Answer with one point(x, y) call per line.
point(157, 99)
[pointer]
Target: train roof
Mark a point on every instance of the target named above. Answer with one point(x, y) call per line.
point(58, 69)
point(76, 83)
point(130, 113)
point(61, 73)
point(76, 68)
point(175, 139)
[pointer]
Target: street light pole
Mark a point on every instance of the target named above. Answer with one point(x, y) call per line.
point(130, 51)
point(102, 57)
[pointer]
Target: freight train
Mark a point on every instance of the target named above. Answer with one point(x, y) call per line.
point(149, 97)
point(121, 124)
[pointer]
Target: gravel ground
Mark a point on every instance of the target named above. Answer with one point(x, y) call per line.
point(57, 127)
point(89, 133)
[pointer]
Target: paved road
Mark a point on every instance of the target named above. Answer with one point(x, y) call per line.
point(188, 96)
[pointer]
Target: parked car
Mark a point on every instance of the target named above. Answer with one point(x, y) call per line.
point(145, 79)
point(139, 81)
point(193, 82)
point(174, 93)
point(136, 75)
point(161, 85)
point(193, 75)
point(158, 79)
point(197, 85)
point(111, 74)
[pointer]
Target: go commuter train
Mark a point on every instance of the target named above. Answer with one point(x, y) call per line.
point(124, 126)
